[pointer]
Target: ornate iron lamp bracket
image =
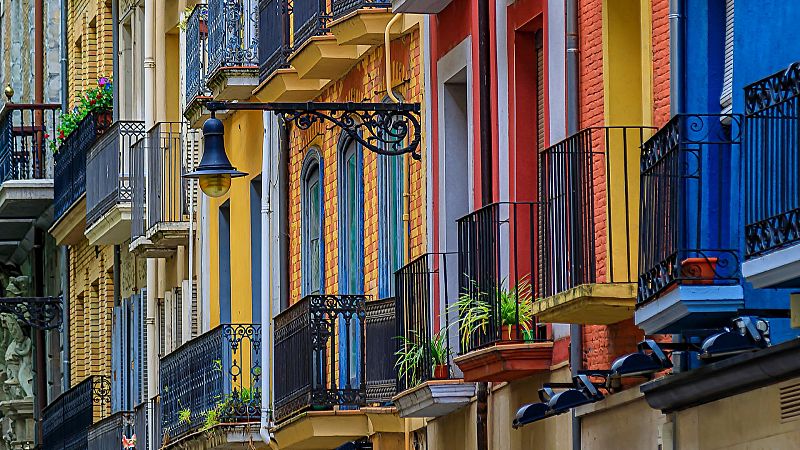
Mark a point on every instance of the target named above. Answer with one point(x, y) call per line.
point(38, 312)
point(385, 128)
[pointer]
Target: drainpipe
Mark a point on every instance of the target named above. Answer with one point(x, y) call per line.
point(115, 59)
point(152, 263)
point(267, 290)
point(676, 48)
point(64, 57)
point(63, 263)
point(387, 44)
point(575, 331)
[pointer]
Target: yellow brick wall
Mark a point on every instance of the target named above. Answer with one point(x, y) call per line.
point(364, 83)
point(90, 44)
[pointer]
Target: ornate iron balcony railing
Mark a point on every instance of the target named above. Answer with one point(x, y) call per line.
point(427, 289)
point(69, 182)
point(274, 36)
point(589, 201)
point(232, 34)
point(108, 433)
point(341, 8)
point(108, 169)
point(139, 188)
point(141, 425)
point(66, 421)
point(380, 349)
point(217, 375)
point(173, 150)
point(310, 18)
point(196, 52)
point(26, 134)
point(771, 158)
point(685, 235)
point(498, 262)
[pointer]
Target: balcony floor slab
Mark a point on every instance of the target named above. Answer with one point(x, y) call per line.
point(777, 269)
point(25, 198)
point(506, 361)
point(321, 58)
point(685, 307)
point(589, 304)
point(434, 398)
point(419, 6)
point(233, 83)
point(313, 430)
point(368, 26)
point(69, 229)
point(114, 227)
point(169, 235)
point(285, 85)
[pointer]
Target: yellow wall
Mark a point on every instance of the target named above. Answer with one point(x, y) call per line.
point(90, 44)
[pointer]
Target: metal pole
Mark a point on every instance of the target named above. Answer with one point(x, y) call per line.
point(41, 359)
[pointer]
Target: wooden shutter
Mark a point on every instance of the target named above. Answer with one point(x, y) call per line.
point(117, 379)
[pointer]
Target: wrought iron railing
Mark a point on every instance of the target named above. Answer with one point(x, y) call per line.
point(196, 52)
point(341, 8)
point(381, 351)
point(26, 134)
point(310, 18)
point(232, 34)
point(108, 166)
point(139, 188)
point(109, 432)
point(172, 149)
point(141, 424)
point(214, 378)
point(274, 36)
point(588, 189)
point(66, 421)
point(319, 354)
point(69, 182)
point(771, 161)
point(426, 291)
point(685, 235)
point(499, 254)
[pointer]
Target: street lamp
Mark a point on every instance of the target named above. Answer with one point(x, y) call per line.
point(215, 170)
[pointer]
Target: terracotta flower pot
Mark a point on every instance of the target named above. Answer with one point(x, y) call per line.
point(510, 333)
point(441, 372)
point(698, 270)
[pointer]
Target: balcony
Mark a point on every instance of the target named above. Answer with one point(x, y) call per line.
point(26, 169)
point(197, 64)
point(771, 189)
point(108, 433)
point(363, 22)
point(334, 371)
point(233, 62)
point(589, 192)
point(688, 253)
point(108, 184)
point(498, 283)
point(212, 384)
point(419, 6)
point(429, 383)
point(66, 420)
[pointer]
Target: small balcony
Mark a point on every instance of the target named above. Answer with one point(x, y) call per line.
point(334, 371)
point(197, 64)
point(419, 6)
point(108, 184)
point(429, 383)
point(233, 62)
point(771, 188)
point(26, 169)
point(67, 419)
point(109, 432)
point(363, 22)
point(499, 281)
point(212, 384)
point(689, 273)
point(589, 203)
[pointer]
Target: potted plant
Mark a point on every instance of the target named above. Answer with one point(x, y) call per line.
point(97, 101)
point(440, 355)
point(409, 358)
point(699, 270)
point(515, 311)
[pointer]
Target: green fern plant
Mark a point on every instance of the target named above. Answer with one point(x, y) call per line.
point(475, 310)
point(409, 358)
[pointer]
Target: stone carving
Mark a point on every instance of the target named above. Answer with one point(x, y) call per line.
point(19, 368)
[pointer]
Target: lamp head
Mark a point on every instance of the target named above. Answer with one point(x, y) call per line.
point(215, 170)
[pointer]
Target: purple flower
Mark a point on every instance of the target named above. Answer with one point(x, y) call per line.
point(103, 81)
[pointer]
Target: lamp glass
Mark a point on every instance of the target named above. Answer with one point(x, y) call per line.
point(215, 185)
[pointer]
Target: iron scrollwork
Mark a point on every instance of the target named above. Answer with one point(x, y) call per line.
point(38, 312)
point(101, 389)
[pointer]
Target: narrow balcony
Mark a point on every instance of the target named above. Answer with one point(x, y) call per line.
point(334, 371)
point(363, 22)
point(589, 202)
point(771, 188)
point(26, 169)
point(419, 6)
point(197, 65)
point(233, 62)
point(108, 184)
point(69, 182)
point(429, 383)
point(109, 432)
point(210, 387)
point(689, 273)
point(67, 419)
point(498, 260)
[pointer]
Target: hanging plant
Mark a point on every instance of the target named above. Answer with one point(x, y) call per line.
point(99, 98)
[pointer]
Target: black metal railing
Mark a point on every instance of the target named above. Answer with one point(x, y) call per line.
point(214, 378)
point(109, 432)
point(69, 182)
point(771, 161)
point(310, 18)
point(141, 425)
point(139, 188)
point(27, 132)
point(172, 149)
point(274, 36)
point(341, 8)
point(499, 253)
point(685, 232)
point(66, 421)
point(426, 291)
point(232, 34)
point(196, 52)
point(108, 166)
point(320, 354)
point(381, 351)
point(588, 189)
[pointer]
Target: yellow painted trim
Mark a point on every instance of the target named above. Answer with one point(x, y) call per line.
point(595, 304)
point(69, 228)
point(285, 85)
point(321, 57)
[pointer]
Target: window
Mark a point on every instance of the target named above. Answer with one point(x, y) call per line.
point(312, 218)
point(391, 254)
point(726, 98)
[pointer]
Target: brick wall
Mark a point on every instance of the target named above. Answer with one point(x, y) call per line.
point(660, 45)
point(590, 46)
point(89, 43)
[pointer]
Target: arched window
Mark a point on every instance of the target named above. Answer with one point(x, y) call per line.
point(312, 218)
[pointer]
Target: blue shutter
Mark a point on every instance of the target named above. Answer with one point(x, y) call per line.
point(117, 385)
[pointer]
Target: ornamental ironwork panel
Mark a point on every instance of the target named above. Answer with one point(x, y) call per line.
point(381, 350)
point(341, 8)
point(587, 188)
point(685, 235)
point(37, 312)
point(196, 52)
point(320, 354)
point(27, 132)
point(172, 150)
point(274, 36)
point(66, 420)
point(770, 163)
point(310, 18)
point(138, 188)
point(217, 374)
point(232, 34)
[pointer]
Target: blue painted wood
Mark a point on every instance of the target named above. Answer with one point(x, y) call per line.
point(225, 263)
